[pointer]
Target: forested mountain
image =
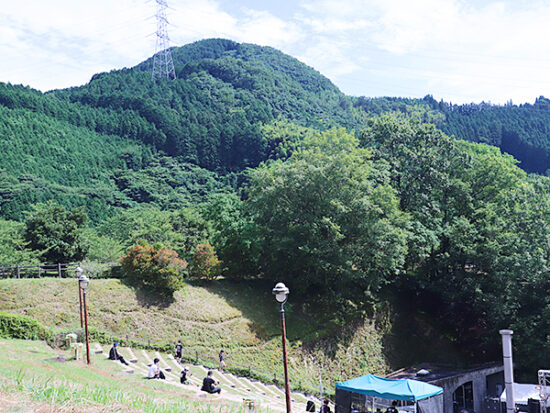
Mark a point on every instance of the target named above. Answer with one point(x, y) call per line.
point(211, 114)
point(123, 139)
point(102, 144)
point(523, 130)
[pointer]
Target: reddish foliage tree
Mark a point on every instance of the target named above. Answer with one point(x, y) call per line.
point(205, 263)
point(159, 269)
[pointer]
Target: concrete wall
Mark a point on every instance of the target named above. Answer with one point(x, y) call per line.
point(479, 386)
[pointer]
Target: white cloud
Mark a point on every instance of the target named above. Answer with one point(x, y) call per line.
point(200, 19)
point(455, 49)
point(328, 56)
point(261, 27)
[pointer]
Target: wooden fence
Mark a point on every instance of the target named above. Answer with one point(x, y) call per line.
point(39, 270)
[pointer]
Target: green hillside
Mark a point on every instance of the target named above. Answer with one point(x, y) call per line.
point(123, 140)
point(242, 318)
point(52, 151)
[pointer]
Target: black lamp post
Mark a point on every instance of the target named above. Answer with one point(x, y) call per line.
point(83, 283)
point(281, 295)
point(78, 272)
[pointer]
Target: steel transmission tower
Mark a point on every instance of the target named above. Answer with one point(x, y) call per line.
point(163, 65)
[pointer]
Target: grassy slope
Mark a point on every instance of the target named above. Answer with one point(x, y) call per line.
point(240, 317)
point(29, 382)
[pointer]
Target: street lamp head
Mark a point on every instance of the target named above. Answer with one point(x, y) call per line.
point(78, 271)
point(83, 281)
point(281, 292)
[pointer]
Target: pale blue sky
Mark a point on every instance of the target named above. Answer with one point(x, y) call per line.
point(456, 50)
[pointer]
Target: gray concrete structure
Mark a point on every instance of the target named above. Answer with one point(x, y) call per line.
point(461, 387)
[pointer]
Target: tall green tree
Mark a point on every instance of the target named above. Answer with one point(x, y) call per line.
point(56, 233)
point(325, 222)
point(479, 233)
point(234, 235)
point(13, 249)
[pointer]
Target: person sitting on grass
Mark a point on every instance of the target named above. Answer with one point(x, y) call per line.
point(210, 385)
point(310, 405)
point(113, 354)
point(154, 371)
point(184, 376)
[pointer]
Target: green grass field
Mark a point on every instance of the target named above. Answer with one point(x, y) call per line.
point(31, 381)
point(242, 318)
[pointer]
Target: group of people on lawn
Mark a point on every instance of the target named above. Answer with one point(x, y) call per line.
point(209, 384)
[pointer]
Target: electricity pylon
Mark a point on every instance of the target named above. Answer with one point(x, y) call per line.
point(163, 65)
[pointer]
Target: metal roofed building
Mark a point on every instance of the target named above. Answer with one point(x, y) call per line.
point(463, 389)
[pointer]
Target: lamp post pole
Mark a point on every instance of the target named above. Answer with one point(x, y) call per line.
point(285, 363)
point(78, 274)
point(83, 284)
point(80, 301)
point(281, 294)
point(86, 323)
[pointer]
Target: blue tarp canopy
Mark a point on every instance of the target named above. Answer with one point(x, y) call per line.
point(395, 389)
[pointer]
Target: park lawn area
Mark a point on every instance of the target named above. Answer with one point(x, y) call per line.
point(30, 381)
point(240, 317)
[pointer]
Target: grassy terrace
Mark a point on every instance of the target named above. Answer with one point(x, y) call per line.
point(242, 318)
point(31, 381)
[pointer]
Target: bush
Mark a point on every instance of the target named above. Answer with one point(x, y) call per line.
point(23, 327)
point(205, 264)
point(156, 268)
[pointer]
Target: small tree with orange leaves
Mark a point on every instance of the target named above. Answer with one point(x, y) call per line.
point(155, 268)
point(205, 263)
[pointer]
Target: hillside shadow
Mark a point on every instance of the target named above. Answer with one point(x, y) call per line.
point(414, 336)
point(148, 298)
point(253, 298)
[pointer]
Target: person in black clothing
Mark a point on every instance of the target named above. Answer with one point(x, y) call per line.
point(222, 361)
point(393, 408)
point(210, 385)
point(179, 349)
point(325, 407)
point(310, 406)
point(184, 376)
point(113, 354)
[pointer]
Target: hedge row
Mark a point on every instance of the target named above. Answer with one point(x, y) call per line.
point(23, 327)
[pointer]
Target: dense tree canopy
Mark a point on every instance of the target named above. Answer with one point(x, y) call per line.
point(479, 232)
point(56, 233)
point(324, 220)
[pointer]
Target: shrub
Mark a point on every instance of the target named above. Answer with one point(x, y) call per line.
point(23, 327)
point(156, 268)
point(205, 264)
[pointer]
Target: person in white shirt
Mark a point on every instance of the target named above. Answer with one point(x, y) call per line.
point(154, 371)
